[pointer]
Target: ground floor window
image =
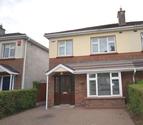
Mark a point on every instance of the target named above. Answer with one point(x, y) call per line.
point(104, 84)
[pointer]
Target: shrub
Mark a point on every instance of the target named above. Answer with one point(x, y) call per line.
point(36, 84)
point(16, 101)
point(135, 98)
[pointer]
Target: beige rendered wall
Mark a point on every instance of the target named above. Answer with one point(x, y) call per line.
point(127, 41)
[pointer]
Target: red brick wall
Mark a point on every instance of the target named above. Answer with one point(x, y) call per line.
point(51, 91)
point(127, 78)
point(80, 89)
point(105, 103)
point(82, 100)
point(80, 80)
point(101, 57)
point(81, 92)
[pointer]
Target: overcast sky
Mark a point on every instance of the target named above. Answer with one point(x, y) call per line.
point(36, 17)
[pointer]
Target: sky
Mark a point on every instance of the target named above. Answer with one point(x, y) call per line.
point(36, 17)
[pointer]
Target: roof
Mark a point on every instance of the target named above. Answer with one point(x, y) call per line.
point(97, 28)
point(14, 36)
point(8, 69)
point(102, 66)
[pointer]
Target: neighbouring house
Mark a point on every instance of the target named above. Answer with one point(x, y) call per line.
point(93, 66)
point(22, 61)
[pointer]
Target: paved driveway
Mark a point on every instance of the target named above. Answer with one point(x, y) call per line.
point(66, 115)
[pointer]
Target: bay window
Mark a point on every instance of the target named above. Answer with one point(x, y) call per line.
point(65, 48)
point(104, 84)
point(103, 44)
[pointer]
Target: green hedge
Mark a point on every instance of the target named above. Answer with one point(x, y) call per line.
point(16, 101)
point(135, 98)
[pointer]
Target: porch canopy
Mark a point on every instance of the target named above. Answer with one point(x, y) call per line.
point(99, 66)
point(8, 69)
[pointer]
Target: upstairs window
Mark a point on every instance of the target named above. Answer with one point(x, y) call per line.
point(103, 45)
point(8, 50)
point(65, 48)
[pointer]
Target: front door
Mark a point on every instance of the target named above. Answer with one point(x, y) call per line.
point(64, 89)
point(6, 83)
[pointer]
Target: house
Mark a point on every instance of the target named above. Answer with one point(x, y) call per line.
point(22, 61)
point(93, 66)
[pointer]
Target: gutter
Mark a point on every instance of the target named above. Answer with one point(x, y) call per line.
point(86, 32)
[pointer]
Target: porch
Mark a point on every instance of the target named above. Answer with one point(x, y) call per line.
point(95, 84)
point(7, 77)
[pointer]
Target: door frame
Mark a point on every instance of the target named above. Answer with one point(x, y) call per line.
point(57, 97)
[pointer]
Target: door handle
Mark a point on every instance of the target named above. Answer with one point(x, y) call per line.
point(65, 93)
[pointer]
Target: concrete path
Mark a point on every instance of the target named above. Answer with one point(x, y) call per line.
point(66, 115)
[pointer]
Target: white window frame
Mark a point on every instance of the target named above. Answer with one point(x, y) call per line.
point(111, 85)
point(65, 46)
point(3, 47)
point(142, 41)
point(98, 43)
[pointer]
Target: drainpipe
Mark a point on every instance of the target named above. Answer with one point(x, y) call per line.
point(134, 80)
point(47, 92)
point(24, 63)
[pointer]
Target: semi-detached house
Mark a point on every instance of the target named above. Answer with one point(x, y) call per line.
point(22, 61)
point(93, 66)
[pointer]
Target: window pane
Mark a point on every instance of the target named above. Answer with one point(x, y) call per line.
point(94, 48)
point(142, 40)
point(103, 45)
point(114, 74)
point(115, 86)
point(92, 87)
point(61, 51)
point(6, 51)
point(92, 76)
point(111, 46)
point(94, 45)
point(111, 38)
point(12, 52)
point(104, 84)
point(69, 48)
point(61, 43)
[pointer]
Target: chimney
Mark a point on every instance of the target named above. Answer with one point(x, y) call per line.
point(2, 30)
point(121, 17)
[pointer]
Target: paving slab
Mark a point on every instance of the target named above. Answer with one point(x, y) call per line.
point(69, 115)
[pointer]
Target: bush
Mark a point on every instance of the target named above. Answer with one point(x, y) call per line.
point(16, 101)
point(135, 98)
point(36, 84)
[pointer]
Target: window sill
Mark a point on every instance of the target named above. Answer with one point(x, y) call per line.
point(108, 98)
point(98, 54)
point(7, 58)
point(65, 57)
